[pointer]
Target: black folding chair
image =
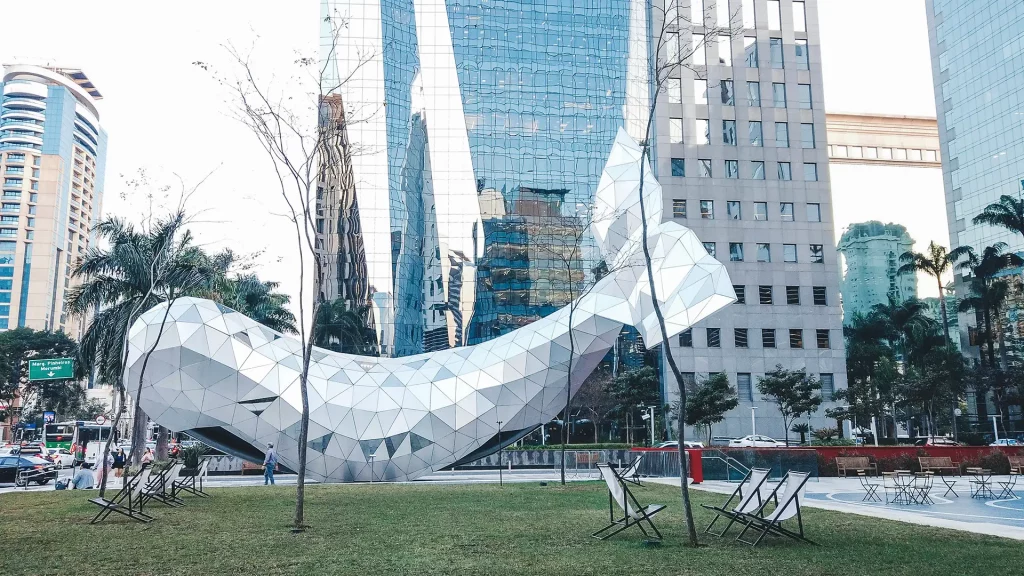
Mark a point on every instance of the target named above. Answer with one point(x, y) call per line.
point(748, 494)
point(157, 488)
point(128, 500)
point(192, 484)
point(788, 506)
point(632, 513)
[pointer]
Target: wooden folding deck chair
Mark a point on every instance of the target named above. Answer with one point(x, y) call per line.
point(787, 506)
point(748, 499)
point(157, 488)
point(128, 501)
point(632, 513)
point(192, 484)
point(631, 473)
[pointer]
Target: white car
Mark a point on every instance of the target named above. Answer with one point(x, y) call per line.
point(1005, 442)
point(675, 444)
point(755, 441)
point(62, 457)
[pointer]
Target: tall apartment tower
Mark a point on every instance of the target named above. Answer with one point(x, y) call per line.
point(52, 155)
point(872, 251)
point(978, 70)
point(742, 157)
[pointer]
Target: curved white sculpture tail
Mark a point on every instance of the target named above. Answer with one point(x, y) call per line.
point(235, 383)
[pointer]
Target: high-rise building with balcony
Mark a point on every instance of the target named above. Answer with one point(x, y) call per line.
point(52, 155)
point(742, 157)
point(476, 127)
point(872, 251)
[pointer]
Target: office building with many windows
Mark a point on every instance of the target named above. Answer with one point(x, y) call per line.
point(52, 155)
point(871, 260)
point(742, 156)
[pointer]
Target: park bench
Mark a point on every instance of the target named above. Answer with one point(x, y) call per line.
point(855, 464)
point(939, 464)
point(1016, 465)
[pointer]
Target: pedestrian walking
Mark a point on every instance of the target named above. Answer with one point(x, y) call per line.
point(119, 460)
point(269, 463)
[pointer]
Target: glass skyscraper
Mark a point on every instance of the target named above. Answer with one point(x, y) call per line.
point(481, 128)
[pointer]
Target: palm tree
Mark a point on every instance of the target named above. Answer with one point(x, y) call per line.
point(139, 269)
point(344, 328)
point(935, 263)
point(258, 300)
point(1007, 213)
point(987, 293)
point(902, 322)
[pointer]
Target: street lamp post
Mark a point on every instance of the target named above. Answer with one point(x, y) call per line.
point(649, 416)
point(753, 421)
point(995, 429)
point(500, 479)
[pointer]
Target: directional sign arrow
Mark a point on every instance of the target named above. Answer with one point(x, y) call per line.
point(50, 373)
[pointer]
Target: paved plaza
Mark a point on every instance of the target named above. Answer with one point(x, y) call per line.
point(994, 516)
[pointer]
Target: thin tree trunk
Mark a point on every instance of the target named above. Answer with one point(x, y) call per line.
point(113, 429)
point(988, 338)
point(568, 385)
point(942, 306)
point(162, 439)
point(300, 489)
point(140, 424)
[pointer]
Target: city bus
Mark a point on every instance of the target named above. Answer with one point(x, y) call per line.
point(74, 433)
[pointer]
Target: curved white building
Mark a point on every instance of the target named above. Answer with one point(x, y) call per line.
point(52, 156)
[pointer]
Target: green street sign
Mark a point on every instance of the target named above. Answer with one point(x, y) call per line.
point(51, 369)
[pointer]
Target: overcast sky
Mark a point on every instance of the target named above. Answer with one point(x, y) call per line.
point(167, 116)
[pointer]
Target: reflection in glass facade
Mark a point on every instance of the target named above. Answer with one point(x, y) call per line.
point(478, 132)
point(978, 65)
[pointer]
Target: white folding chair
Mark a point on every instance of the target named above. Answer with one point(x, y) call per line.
point(787, 506)
point(632, 514)
point(750, 494)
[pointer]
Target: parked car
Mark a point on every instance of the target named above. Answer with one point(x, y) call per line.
point(936, 441)
point(10, 466)
point(1005, 442)
point(755, 441)
point(686, 444)
point(62, 457)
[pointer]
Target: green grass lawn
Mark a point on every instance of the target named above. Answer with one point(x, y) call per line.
point(479, 529)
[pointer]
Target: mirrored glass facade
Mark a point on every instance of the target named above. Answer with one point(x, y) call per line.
point(475, 138)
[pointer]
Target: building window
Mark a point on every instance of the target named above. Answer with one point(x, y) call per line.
point(782, 134)
point(799, 17)
point(699, 54)
point(735, 251)
point(732, 209)
point(686, 338)
point(36, 160)
point(707, 209)
point(705, 168)
point(675, 130)
point(823, 339)
point(703, 130)
point(729, 132)
point(774, 15)
point(796, 338)
point(811, 175)
point(675, 91)
point(828, 387)
point(807, 135)
point(756, 137)
point(778, 94)
point(789, 252)
point(678, 167)
point(803, 60)
point(743, 388)
point(722, 9)
point(748, 14)
point(753, 93)
point(764, 252)
point(817, 254)
point(750, 51)
point(820, 296)
point(785, 171)
point(764, 294)
point(793, 295)
point(700, 91)
point(757, 170)
point(775, 52)
point(728, 98)
point(786, 211)
point(710, 248)
point(714, 338)
point(732, 169)
point(768, 337)
point(803, 93)
point(739, 336)
point(678, 208)
point(725, 50)
point(760, 210)
point(813, 212)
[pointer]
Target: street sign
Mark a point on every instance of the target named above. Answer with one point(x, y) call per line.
point(101, 419)
point(51, 369)
point(49, 417)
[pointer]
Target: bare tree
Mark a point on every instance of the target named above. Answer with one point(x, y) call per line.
point(298, 125)
point(594, 399)
point(671, 57)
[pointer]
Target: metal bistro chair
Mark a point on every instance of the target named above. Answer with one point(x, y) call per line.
point(870, 488)
point(923, 483)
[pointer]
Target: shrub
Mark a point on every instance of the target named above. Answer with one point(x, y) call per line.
point(191, 454)
point(603, 446)
point(824, 434)
point(994, 460)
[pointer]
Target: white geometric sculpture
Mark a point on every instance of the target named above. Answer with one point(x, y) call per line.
point(222, 376)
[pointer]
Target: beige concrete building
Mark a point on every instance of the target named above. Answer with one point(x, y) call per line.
point(52, 155)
